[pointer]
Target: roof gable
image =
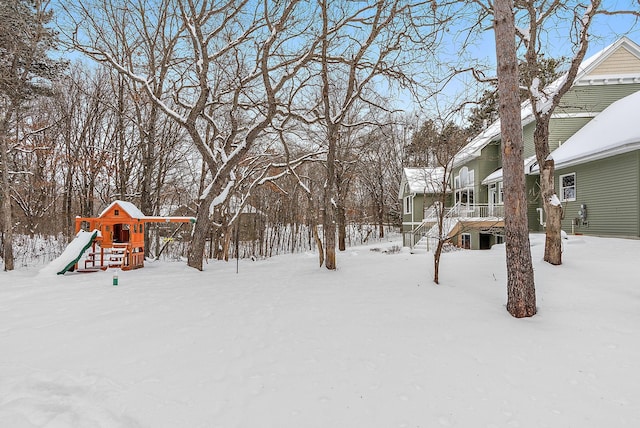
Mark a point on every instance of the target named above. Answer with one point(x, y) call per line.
point(422, 180)
point(130, 209)
point(621, 61)
point(616, 61)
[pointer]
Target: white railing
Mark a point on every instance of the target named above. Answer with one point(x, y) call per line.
point(461, 210)
point(458, 211)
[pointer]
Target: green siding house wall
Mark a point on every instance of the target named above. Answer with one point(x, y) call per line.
point(610, 189)
point(607, 184)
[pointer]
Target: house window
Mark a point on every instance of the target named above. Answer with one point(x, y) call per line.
point(116, 212)
point(568, 187)
point(408, 204)
point(465, 182)
point(465, 241)
point(465, 196)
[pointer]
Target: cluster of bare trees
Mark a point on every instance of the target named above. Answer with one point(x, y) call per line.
point(276, 106)
point(214, 106)
point(260, 88)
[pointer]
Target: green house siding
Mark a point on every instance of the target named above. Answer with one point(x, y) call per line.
point(418, 209)
point(585, 99)
point(409, 223)
point(560, 129)
point(533, 203)
point(527, 140)
point(610, 190)
point(580, 100)
point(489, 160)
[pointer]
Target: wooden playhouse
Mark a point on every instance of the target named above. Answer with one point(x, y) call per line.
point(120, 239)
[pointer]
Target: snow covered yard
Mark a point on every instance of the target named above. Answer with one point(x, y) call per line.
point(284, 343)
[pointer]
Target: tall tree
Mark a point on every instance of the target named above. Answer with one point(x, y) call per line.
point(362, 45)
point(26, 72)
point(232, 63)
point(441, 143)
point(546, 98)
point(521, 297)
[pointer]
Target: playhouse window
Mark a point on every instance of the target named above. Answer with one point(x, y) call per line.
point(116, 212)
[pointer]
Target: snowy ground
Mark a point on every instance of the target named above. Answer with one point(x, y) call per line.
point(284, 343)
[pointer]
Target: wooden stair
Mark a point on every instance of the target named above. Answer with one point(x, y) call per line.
point(119, 256)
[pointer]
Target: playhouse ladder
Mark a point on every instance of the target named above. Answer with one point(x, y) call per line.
point(118, 256)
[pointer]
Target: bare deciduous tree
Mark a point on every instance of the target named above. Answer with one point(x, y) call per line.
point(231, 64)
point(362, 45)
point(441, 144)
point(539, 15)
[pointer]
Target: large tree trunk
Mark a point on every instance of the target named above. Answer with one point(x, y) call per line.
point(521, 300)
point(316, 237)
point(380, 218)
point(195, 255)
point(148, 156)
point(342, 228)
point(552, 209)
point(329, 217)
point(7, 218)
point(329, 230)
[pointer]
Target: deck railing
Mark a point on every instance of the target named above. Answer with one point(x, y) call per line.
point(461, 210)
point(458, 211)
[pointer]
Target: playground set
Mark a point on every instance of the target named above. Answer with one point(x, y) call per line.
point(114, 239)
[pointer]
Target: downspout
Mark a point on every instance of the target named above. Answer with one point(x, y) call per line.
point(541, 216)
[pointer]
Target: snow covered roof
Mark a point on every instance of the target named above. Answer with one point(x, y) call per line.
point(585, 76)
point(612, 132)
point(422, 180)
point(496, 175)
point(128, 207)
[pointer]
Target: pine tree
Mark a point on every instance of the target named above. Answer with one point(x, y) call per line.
point(521, 296)
point(26, 72)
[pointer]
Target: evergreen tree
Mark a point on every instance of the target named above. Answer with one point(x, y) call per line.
point(26, 72)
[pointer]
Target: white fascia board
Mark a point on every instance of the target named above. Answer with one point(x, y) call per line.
point(590, 157)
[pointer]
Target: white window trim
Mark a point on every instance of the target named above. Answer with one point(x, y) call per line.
point(408, 204)
point(470, 181)
point(562, 188)
point(462, 239)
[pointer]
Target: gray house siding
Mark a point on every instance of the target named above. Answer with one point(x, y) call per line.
point(610, 190)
